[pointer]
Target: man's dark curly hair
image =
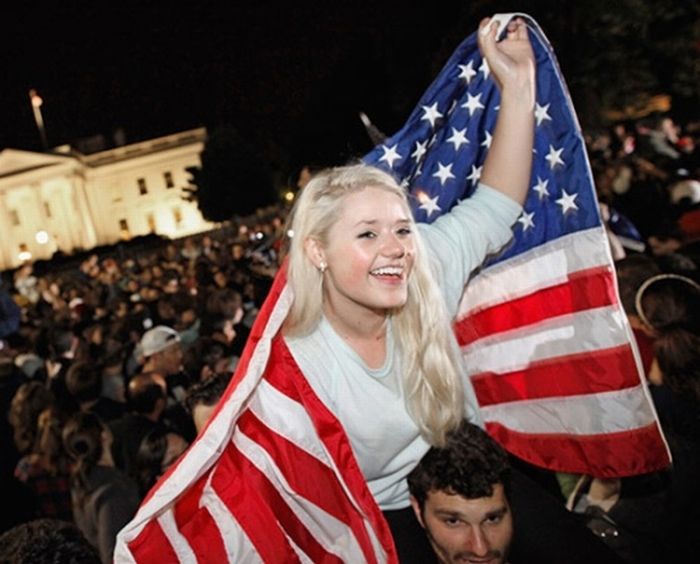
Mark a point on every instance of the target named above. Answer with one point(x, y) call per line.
point(469, 464)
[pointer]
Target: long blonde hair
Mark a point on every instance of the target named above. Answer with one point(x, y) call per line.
point(432, 378)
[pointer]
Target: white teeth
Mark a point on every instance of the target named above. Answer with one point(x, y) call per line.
point(387, 271)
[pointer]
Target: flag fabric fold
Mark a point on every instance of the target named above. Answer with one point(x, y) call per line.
point(273, 478)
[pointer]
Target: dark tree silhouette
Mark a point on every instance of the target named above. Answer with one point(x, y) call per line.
point(233, 179)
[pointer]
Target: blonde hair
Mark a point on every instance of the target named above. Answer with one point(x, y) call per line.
point(432, 377)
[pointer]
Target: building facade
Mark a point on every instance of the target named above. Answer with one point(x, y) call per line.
point(67, 201)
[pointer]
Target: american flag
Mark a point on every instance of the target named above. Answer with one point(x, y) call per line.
point(273, 478)
point(542, 331)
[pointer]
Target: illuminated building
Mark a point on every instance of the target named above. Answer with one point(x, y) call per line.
point(64, 200)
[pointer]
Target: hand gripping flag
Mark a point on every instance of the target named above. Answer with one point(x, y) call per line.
point(272, 477)
point(544, 337)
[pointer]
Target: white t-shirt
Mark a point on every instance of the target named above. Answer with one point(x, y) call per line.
point(370, 402)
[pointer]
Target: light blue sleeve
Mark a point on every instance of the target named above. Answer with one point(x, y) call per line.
point(459, 241)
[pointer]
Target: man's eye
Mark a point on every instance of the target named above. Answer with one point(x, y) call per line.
point(451, 521)
point(494, 519)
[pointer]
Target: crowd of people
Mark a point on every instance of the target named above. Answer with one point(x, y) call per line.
point(109, 371)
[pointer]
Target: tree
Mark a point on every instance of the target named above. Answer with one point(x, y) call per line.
point(232, 180)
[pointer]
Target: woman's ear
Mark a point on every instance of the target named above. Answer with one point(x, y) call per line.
point(314, 251)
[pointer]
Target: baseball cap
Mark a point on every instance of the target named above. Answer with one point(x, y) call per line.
point(158, 339)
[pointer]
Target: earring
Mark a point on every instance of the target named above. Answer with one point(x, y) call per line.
point(322, 266)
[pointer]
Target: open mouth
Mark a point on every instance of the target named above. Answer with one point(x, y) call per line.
point(390, 272)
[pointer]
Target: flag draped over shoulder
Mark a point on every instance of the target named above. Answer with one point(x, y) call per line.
point(273, 478)
point(543, 334)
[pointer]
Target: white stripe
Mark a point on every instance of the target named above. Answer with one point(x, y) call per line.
point(303, 558)
point(585, 331)
point(548, 265)
point(290, 420)
point(207, 448)
point(239, 548)
point(179, 543)
point(593, 414)
point(333, 535)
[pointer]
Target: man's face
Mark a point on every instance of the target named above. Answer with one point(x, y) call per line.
point(467, 530)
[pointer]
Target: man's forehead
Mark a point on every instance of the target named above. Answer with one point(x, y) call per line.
point(450, 502)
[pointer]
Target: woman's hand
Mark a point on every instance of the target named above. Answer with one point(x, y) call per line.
point(511, 61)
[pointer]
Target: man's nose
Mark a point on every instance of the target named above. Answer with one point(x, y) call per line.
point(478, 544)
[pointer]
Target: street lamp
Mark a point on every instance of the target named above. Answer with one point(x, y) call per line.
point(36, 107)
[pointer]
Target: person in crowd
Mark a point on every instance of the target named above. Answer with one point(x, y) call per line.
point(84, 383)
point(104, 498)
point(46, 469)
point(28, 402)
point(147, 400)
point(459, 494)
point(162, 353)
point(46, 541)
point(158, 450)
point(202, 398)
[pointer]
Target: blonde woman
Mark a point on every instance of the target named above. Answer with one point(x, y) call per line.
point(370, 325)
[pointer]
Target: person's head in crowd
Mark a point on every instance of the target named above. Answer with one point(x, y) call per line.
point(171, 282)
point(632, 271)
point(459, 494)
point(160, 347)
point(669, 306)
point(46, 541)
point(84, 382)
point(203, 396)
point(165, 308)
point(147, 394)
point(158, 450)
point(667, 239)
point(28, 402)
point(63, 342)
point(49, 443)
point(88, 442)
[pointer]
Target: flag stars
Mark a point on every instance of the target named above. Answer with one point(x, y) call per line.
point(390, 155)
point(473, 103)
point(526, 220)
point(431, 114)
point(487, 140)
point(467, 71)
point(420, 150)
point(484, 68)
point(444, 173)
point(554, 157)
point(475, 174)
point(458, 138)
point(567, 202)
point(430, 206)
point(541, 114)
point(541, 187)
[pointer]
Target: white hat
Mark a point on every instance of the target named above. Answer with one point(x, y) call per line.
point(686, 189)
point(158, 339)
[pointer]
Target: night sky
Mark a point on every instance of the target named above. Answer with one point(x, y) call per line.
point(291, 77)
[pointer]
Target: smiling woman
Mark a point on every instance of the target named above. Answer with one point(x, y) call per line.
point(374, 294)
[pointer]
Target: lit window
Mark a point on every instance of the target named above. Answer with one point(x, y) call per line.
point(151, 220)
point(169, 182)
point(143, 189)
point(14, 218)
point(124, 232)
point(47, 210)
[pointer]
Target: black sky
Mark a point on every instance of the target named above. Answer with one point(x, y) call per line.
point(285, 74)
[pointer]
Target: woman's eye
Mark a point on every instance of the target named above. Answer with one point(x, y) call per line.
point(404, 231)
point(366, 235)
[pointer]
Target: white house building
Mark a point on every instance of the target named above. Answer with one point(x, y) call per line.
point(67, 201)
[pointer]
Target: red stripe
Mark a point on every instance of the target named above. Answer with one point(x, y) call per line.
point(588, 372)
point(197, 525)
point(585, 289)
point(610, 455)
point(151, 545)
point(237, 483)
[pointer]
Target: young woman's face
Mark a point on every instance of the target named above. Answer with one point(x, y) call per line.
point(369, 253)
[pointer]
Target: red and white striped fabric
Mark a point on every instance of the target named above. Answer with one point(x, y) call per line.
point(271, 479)
point(553, 362)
